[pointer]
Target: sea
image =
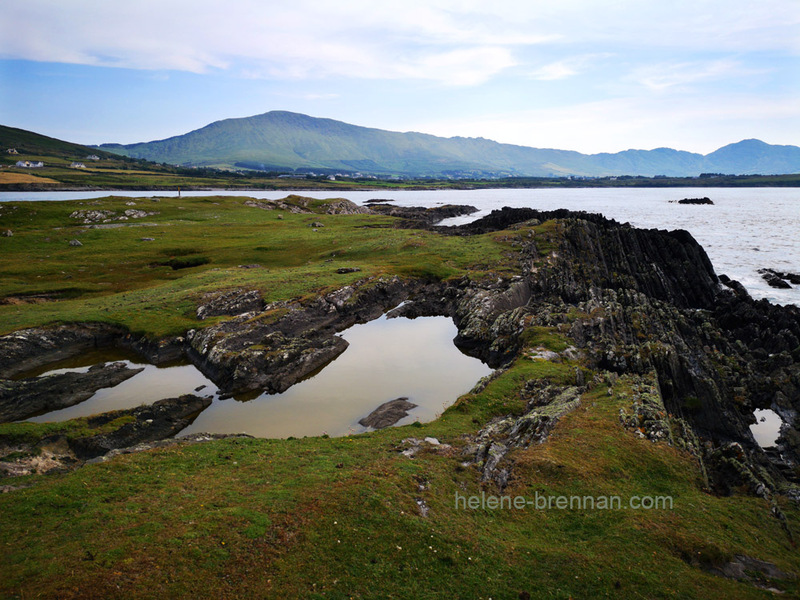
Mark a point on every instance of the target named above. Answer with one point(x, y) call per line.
point(746, 229)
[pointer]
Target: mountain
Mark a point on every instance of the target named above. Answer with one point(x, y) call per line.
point(285, 141)
point(34, 144)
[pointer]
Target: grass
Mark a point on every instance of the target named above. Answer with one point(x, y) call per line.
point(339, 517)
point(198, 244)
point(7, 177)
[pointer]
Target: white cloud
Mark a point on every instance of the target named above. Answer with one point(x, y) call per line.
point(662, 76)
point(621, 124)
point(300, 40)
point(557, 70)
point(453, 41)
point(567, 67)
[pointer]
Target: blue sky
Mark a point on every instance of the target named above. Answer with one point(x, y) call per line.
point(592, 76)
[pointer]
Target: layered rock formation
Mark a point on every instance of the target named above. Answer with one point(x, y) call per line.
point(641, 303)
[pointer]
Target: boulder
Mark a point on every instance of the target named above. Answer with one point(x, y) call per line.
point(388, 413)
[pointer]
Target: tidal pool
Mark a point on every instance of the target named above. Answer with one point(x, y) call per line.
point(767, 429)
point(386, 359)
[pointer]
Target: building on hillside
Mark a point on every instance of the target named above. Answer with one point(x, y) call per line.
point(12, 151)
point(93, 157)
point(26, 164)
point(77, 165)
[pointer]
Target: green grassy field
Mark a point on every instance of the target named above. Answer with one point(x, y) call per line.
point(116, 277)
point(339, 518)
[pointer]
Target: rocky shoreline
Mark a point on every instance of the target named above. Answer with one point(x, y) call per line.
point(642, 303)
point(98, 436)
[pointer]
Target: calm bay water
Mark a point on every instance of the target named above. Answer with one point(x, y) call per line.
point(745, 230)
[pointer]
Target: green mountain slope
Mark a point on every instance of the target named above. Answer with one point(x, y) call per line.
point(34, 144)
point(286, 141)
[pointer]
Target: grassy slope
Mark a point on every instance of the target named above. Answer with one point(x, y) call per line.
point(338, 518)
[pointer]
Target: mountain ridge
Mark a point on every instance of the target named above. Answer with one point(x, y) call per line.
point(288, 141)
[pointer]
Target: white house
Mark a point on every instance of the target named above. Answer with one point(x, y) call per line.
point(77, 165)
point(26, 164)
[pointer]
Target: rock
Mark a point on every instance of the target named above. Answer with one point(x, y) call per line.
point(388, 413)
point(147, 239)
point(156, 421)
point(695, 201)
point(317, 224)
point(544, 354)
point(25, 398)
point(233, 302)
point(546, 405)
point(106, 216)
point(33, 348)
point(416, 216)
point(300, 204)
point(778, 279)
point(410, 447)
point(745, 568)
point(253, 266)
point(93, 216)
point(344, 270)
point(8, 233)
point(75, 243)
point(250, 353)
point(133, 213)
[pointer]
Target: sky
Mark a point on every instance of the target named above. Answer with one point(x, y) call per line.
point(586, 75)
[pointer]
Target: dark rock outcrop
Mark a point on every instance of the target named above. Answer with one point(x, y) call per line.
point(778, 279)
point(29, 397)
point(388, 413)
point(286, 342)
point(149, 423)
point(704, 200)
point(412, 217)
point(103, 436)
point(29, 349)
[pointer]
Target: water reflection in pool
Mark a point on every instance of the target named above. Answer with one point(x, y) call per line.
point(386, 359)
point(767, 428)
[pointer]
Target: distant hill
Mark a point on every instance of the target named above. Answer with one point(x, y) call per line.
point(286, 141)
point(35, 144)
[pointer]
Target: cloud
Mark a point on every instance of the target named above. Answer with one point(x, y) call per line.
point(247, 38)
point(456, 42)
point(660, 77)
point(567, 67)
point(622, 123)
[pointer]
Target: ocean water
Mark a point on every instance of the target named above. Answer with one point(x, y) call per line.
point(745, 230)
